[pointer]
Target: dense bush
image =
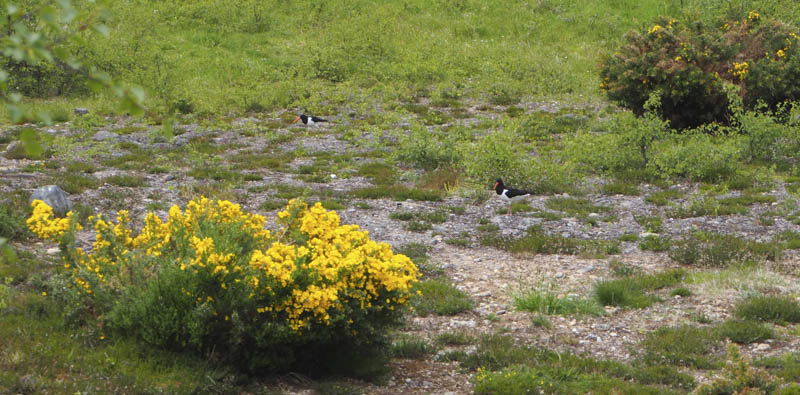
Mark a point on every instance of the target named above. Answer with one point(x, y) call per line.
point(316, 297)
point(698, 65)
point(721, 250)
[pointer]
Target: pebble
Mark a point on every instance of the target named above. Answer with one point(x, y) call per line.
point(53, 251)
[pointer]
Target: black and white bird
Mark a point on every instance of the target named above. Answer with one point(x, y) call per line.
point(509, 195)
point(308, 119)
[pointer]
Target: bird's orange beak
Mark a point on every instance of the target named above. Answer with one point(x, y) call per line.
point(296, 119)
point(495, 185)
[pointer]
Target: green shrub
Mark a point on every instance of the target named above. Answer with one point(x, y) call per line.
point(740, 378)
point(655, 244)
point(411, 348)
point(12, 222)
point(721, 250)
point(744, 331)
point(684, 345)
point(213, 280)
point(691, 62)
point(779, 309)
point(439, 296)
point(536, 241)
point(786, 366)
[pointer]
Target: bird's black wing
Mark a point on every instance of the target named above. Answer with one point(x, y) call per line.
point(318, 119)
point(512, 193)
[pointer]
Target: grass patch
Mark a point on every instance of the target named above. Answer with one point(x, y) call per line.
point(630, 291)
point(74, 183)
point(578, 207)
point(457, 338)
point(125, 180)
point(744, 331)
point(505, 367)
point(536, 241)
point(655, 244)
point(662, 198)
point(411, 347)
point(721, 250)
point(439, 296)
point(538, 301)
point(378, 173)
point(620, 188)
point(683, 346)
point(273, 204)
point(40, 354)
point(397, 192)
point(652, 224)
point(786, 366)
point(777, 309)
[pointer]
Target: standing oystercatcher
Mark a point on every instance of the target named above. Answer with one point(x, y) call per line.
point(308, 119)
point(509, 195)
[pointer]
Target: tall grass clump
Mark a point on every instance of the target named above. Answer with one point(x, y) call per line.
point(778, 309)
point(315, 296)
point(721, 250)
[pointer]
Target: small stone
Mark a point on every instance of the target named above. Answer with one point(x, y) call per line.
point(104, 135)
point(586, 269)
point(593, 215)
point(560, 275)
point(55, 197)
point(602, 327)
point(483, 294)
point(81, 111)
point(762, 347)
point(645, 235)
point(52, 251)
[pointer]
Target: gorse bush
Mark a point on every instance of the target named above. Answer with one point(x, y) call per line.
point(697, 64)
point(315, 297)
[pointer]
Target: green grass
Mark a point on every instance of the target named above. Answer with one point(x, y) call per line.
point(578, 207)
point(722, 250)
point(398, 193)
point(655, 244)
point(543, 302)
point(456, 338)
point(40, 354)
point(125, 180)
point(681, 346)
point(74, 183)
point(409, 347)
point(785, 366)
point(652, 224)
point(744, 331)
point(439, 296)
point(620, 188)
point(630, 291)
point(536, 241)
point(506, 367)
point(778, 309)
point(662, 198)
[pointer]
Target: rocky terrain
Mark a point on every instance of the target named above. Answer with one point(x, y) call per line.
point(490, 276)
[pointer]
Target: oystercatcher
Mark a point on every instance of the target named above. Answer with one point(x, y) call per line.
point(308, 119)
point(509, 195)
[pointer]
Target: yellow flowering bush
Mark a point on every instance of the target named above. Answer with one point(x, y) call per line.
point(212, 278)
point(690, 62)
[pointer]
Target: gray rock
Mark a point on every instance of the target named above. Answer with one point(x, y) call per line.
point(81, 111)
point(14, 150)
point(55, 197)
point(104, 135)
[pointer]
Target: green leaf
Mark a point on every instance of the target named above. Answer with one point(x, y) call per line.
point(15, 112)
point(45, 117)
point(31, 142)
point(102, 29)
point(49, 15)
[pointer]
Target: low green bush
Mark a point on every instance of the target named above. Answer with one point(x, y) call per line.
point(778, 309)
point(684, 346)
point(721, 250)
point(439, 296)
point(316, 297)
point(744, 331)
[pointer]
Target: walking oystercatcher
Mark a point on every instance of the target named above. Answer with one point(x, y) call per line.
point(308, 119)
point(509, 195)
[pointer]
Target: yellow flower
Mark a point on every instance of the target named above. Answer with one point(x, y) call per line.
point(781, 53)
point(654, 29)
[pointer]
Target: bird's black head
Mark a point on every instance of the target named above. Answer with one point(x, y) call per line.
point(301, 117)
point(498, 184)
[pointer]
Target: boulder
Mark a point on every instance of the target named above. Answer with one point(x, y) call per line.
point(55, 197)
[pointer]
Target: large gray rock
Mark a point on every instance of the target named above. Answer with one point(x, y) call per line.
point(55, 197)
